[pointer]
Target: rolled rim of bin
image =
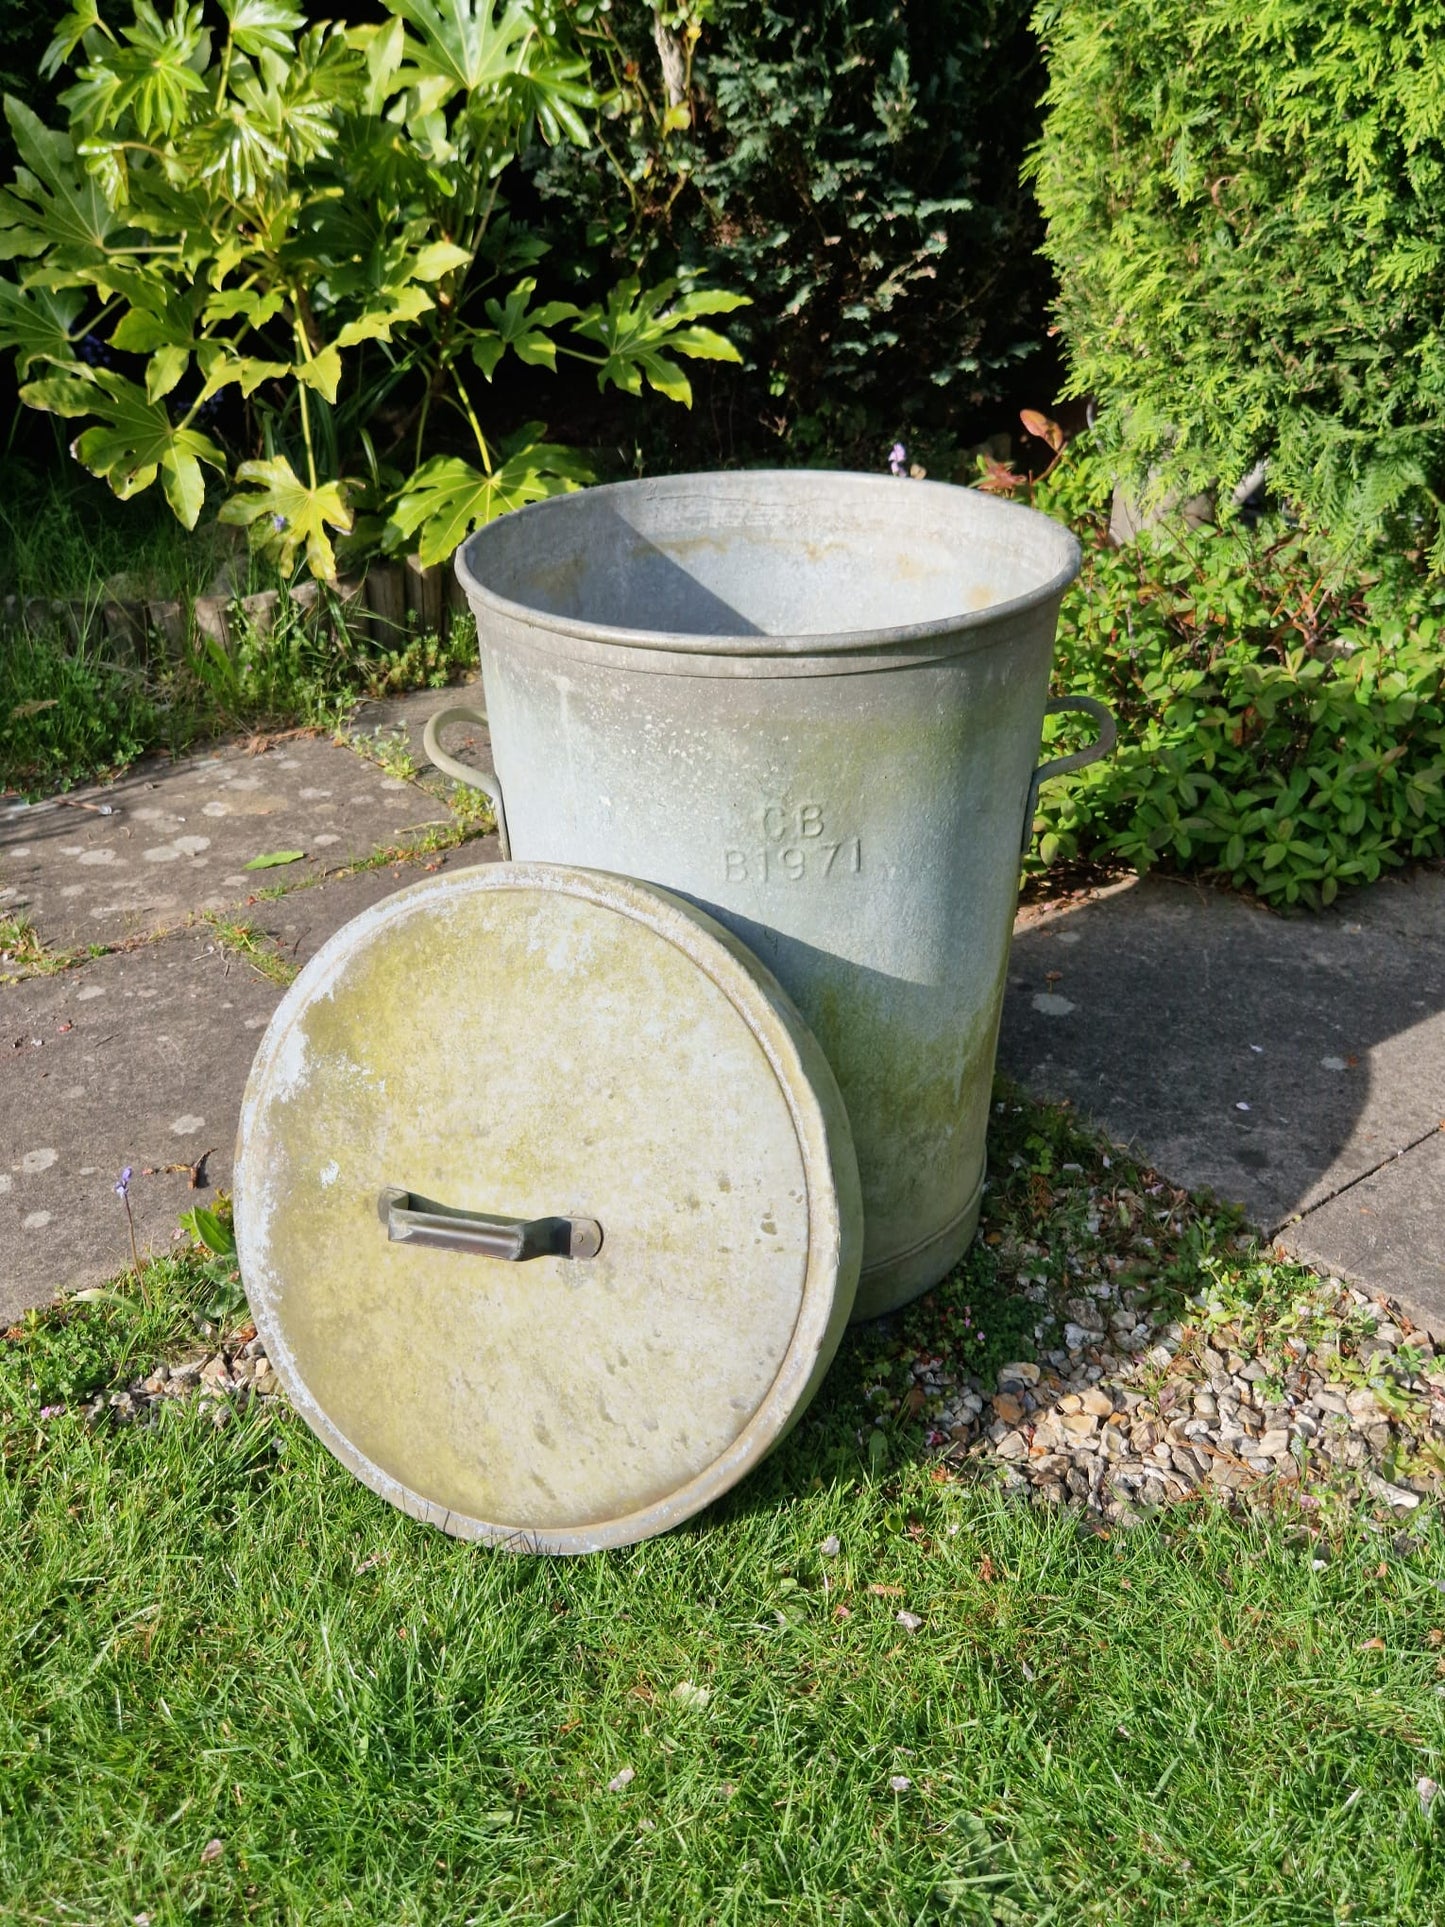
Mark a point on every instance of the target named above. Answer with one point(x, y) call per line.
point(482, 562)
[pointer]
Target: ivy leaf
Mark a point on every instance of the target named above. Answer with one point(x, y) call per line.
point(514, 327)
point(257, 25)
point(36, 323)
point(133, 439)
point(295, 513)
point(636, 330)
point(447, 498)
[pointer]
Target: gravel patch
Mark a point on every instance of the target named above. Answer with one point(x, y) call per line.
point(1111, 1344)
point(225, 1379)
point(1158, 1352)
point(1123, 1417)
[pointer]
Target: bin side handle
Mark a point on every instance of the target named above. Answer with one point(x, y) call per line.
point(460, 772)
point(1102, 745)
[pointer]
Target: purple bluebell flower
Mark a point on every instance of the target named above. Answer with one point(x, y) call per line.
point(122, 1183)
point(898, 459)
point(278, 522)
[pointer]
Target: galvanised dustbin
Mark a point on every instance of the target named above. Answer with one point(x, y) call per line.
point(811, 703)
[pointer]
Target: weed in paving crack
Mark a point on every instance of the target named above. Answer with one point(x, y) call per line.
point(388, 750)
point(244, 939)
point(22, 947)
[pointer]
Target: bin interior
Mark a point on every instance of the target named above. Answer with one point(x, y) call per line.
point(770, 554)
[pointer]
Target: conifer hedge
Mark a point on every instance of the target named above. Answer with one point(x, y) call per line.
point(1246, 212)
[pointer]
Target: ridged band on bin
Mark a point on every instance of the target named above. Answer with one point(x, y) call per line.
point(811, 703)
point(547, 1206)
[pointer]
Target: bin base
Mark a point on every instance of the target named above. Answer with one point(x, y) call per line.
point(905, 1276)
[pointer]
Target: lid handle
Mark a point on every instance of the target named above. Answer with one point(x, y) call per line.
point(411, 1220)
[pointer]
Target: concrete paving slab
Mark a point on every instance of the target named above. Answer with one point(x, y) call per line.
point(141, 1058)
point(1385, 1233)
point(400, 720)
point(1275, 1060)
point(137, 855)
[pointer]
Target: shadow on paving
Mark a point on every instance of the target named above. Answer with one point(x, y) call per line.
point(1277, 1061)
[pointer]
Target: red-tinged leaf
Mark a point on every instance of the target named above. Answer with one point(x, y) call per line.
point(998, 478)
point(1040, 426)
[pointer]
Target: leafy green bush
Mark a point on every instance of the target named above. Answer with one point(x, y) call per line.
point(855, 165)
point(1283, 733)
point(1246, 209)
point(289, 241)
point(68, 714)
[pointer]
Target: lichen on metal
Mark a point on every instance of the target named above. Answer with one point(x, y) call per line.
point(534, 1043)
point(811, 704)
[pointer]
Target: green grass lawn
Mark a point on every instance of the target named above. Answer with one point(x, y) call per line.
point(236, 1686)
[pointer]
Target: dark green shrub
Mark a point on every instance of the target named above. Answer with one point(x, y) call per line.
point(1282, 733)
point(1246, 210)
point(853, 166)
point(26, 27)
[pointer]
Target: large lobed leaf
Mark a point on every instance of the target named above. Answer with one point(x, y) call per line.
point(639, 330)
point(52, 205)
point(521, 328)
point(152, 78)
point(133, 439)
point(293, 514)
point(37, 322)
point(480, 49)
point(447, 498)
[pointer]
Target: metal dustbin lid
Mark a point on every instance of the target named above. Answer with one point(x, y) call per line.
point(547, 1205)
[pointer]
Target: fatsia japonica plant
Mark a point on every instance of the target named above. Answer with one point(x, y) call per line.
point(276, 255)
